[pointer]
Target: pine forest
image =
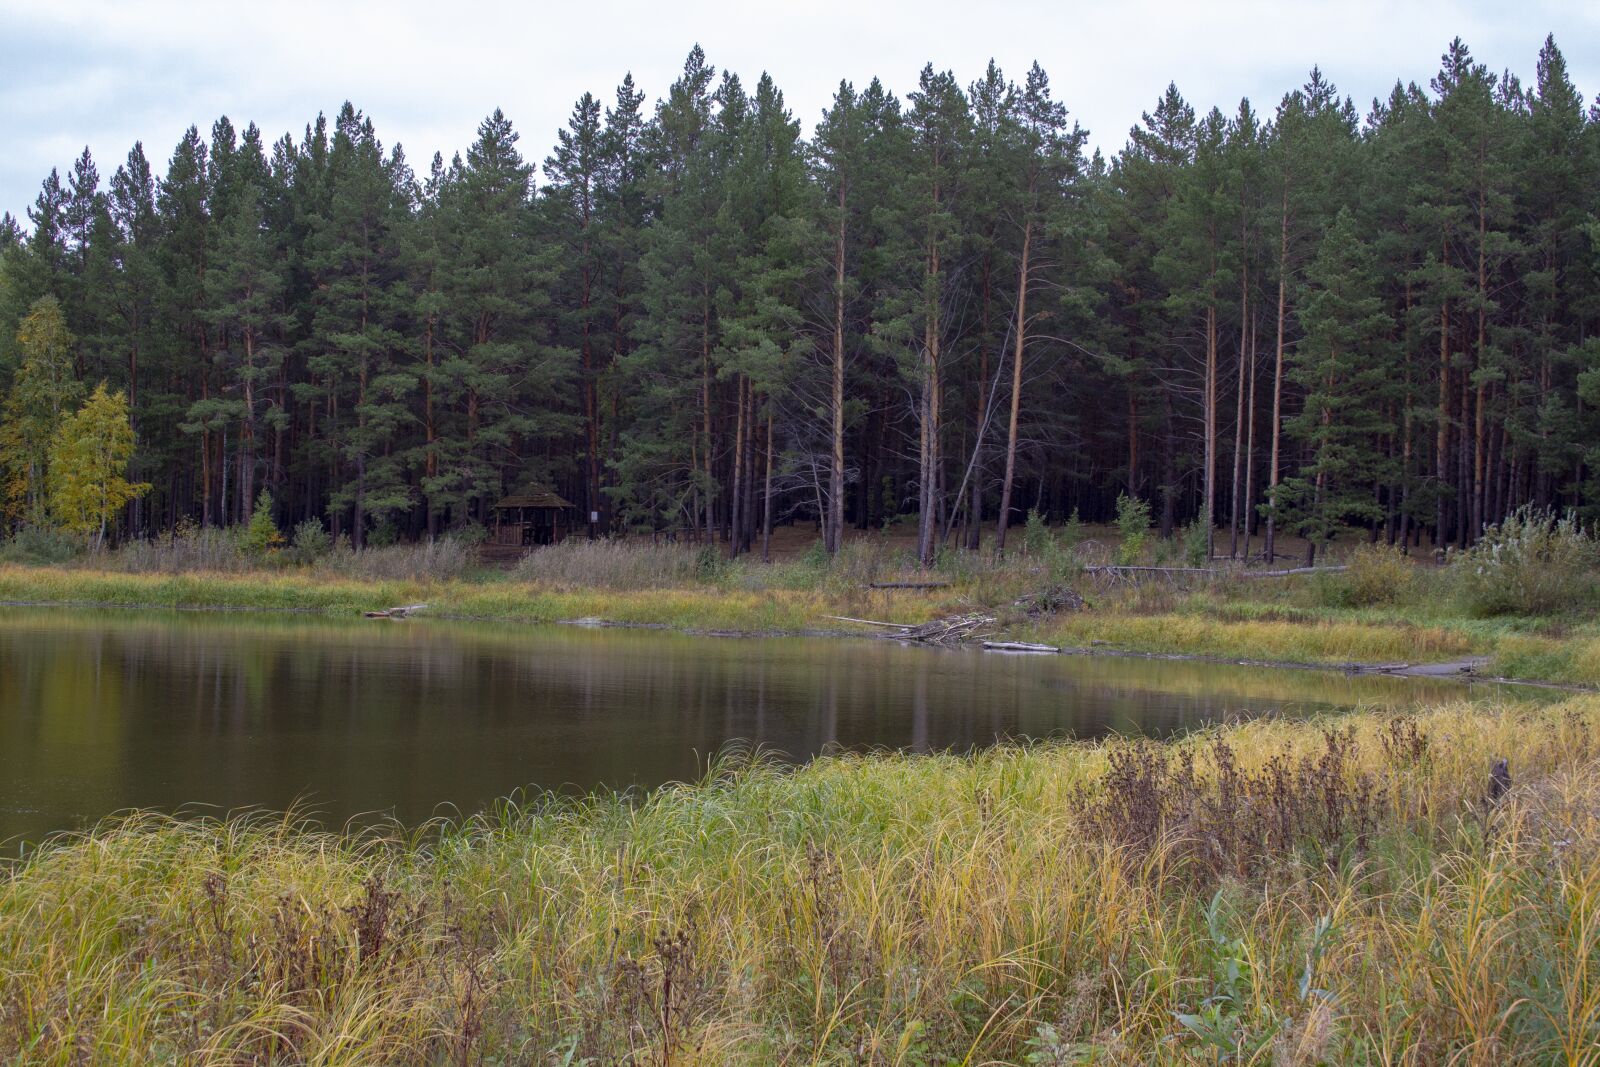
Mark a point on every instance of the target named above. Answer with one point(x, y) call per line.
point(704, 317)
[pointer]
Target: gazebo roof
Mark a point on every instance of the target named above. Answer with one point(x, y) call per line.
point(533, 496)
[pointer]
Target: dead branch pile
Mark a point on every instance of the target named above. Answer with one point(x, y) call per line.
point(949, 630)
point(1056, 598)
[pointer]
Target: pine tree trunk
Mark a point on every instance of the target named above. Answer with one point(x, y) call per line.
point(705, 410)
point(1250, 447)
point(766, 505)
point(1271, 546)
point(980, 416)
point(736, 503)
point(1441, 458)
point(430, 463)
point(1133, 439)
point(833, 535)
point(1238, 419)
point(1209, 510)
point(929, 459)
point(1021, 330)
point(1479, 473)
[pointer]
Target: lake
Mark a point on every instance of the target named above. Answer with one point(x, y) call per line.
point(209, 712)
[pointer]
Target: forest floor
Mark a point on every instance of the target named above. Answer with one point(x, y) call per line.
point(1297, 621)
point(1354, 889)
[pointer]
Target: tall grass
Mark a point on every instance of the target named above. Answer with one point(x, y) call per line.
point(1059, 904)
point(617, 565)
point(441, 560)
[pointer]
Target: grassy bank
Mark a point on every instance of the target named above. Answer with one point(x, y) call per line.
point(1297, 620)
point(1526, 597)
point(704, 607)
point(1271, 892)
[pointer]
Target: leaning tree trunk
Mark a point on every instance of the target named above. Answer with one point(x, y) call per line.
point(1016, 392)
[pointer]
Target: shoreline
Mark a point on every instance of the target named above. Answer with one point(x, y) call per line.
point(1467, 668)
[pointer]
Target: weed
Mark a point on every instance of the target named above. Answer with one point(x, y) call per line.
point(1532, 563)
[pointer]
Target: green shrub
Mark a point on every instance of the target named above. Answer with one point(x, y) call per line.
point(1133, 524)
point(1037, 540)
point(1073, 531)
point(310, 541)
point(1374, 575)
point(261, 537)
point(1533, 563)
point(1196, 549)
point(38, 545)
point(383, 535)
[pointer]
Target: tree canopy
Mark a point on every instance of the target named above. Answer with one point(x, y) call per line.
point(704, 317)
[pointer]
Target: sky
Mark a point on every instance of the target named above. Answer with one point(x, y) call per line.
point(105, 73)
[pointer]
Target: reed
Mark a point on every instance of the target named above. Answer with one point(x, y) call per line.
point(1055, 904)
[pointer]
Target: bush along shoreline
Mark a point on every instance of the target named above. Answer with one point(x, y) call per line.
point(1360, 889)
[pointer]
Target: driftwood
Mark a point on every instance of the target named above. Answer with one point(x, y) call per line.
point(1292, 570)
point(908, 585)
point(1018, 646)
point(868, 622)
point(948, 630)
point(938, 632)
point(396, 613)
point(1117, 570)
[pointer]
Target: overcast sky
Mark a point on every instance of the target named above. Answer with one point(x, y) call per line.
point(105, 74)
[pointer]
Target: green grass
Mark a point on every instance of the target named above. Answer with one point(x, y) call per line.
point(1059, 904)
point(1289, 620)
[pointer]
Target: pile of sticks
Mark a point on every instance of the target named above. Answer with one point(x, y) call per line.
point(949, 630)
point(402, 612)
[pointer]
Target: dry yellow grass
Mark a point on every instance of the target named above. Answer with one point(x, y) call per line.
point(1000, 908)
point(1317, 641)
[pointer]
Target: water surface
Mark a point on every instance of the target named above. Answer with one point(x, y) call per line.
point(103, 711)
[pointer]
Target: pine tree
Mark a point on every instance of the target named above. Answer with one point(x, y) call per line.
point(667, 469)
point(499, 379)
point(1046, 157)
point(937, 126)
point(1343, 365)
point(355, 350)
point(1147, 176)
point(577, 172)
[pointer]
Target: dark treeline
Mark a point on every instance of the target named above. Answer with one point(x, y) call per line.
point(937, 306)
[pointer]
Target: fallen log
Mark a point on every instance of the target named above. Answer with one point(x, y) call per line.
point(869, 622)
point(1292, 570)
point(396, 613)
point(908, 585)
point(1212, 572)
point(1114, 568)
point(1018, 646)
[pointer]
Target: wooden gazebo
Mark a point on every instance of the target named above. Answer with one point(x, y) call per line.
point(532, 516)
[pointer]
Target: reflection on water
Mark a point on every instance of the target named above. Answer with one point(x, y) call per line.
point(103, 711)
